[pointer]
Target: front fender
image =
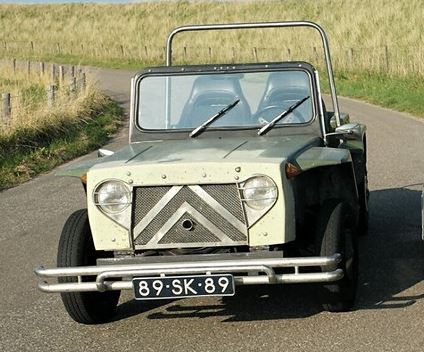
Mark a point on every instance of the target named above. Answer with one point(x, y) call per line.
point(322, 156)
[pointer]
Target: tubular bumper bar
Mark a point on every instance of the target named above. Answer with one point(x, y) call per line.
point(118, 276)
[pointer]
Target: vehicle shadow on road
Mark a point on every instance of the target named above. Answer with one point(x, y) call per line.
point(392, 255)
point(391, 261)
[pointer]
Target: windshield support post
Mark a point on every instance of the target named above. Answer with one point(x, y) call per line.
point(256, 25)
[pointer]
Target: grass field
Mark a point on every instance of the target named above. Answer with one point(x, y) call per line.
point(376, 46)
point(37, 137)
point(382, 36)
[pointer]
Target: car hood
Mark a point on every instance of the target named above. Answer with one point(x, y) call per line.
point(269, 149)
point(252, 149)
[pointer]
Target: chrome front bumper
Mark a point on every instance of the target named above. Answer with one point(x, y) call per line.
point(256, 268)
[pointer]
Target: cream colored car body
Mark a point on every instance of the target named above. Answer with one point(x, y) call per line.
point(183, 163)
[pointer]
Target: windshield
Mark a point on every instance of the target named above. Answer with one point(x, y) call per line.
point(194, 98)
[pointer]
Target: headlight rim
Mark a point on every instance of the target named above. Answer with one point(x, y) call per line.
point(103, 208)
point(246, 200)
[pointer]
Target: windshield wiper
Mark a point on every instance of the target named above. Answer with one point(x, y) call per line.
point(277, 118)
point(204, 125)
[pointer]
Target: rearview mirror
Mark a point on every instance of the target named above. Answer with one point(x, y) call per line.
point(348, 131)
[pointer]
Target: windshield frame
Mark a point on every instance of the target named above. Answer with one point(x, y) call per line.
point(137, 131)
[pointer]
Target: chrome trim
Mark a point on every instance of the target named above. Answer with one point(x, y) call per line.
point(254, 215)
point(153, 243)
point(155, 210)
point(102, 286)
point(132, 108)
point(321, 108)
point(279, 24)
point(183, 209)
point(221, 210)
point(123, 217)
point(228, 264)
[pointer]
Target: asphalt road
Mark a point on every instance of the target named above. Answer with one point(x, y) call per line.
point(389, 314)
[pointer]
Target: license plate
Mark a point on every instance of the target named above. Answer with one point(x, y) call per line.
point(183, 286)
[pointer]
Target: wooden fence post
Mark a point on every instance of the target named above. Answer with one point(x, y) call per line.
point(83, 81)
point(350, 57)
point(58, 48)
point(210, 53)
point(6, 107)
point(51, 94)
point(14, 65)
point(32, 46)
point(122, 50)
point(42, 68)
point(73, 86)
point(386, 57)
point(61, 73)
point(53, 73)
point(72, 71)
point(255, 54)
point(185, 53)
point(289, 54)
point(29, 68)
point(316, 53)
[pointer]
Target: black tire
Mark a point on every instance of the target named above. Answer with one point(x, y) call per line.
point(363, 207)
point(336, 234)
point(76, 248)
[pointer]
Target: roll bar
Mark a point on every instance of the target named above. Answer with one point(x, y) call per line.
point(213, 27)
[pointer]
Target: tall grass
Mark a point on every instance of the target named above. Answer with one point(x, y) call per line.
point(37, 137)
point(386, 35)
point(30, 111)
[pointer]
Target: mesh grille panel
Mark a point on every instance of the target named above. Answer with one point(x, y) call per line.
point(148, 197)
point(144, 199)
point(228, 196)
point(177, 234)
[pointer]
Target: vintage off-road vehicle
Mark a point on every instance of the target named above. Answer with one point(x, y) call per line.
point(234, 174)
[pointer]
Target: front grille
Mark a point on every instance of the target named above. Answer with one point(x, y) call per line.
point(215, 210)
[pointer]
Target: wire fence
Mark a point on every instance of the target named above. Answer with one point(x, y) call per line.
point(400, 60)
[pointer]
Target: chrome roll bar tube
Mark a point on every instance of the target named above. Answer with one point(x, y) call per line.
point(258, 25)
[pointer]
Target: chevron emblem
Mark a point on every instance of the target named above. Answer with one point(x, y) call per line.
point(212, 218)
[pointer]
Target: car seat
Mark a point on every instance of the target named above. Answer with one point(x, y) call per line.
point(211, 94)
point(282, 90)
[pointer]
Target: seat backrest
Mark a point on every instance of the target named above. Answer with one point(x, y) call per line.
point(284, 87)
point(209, 95)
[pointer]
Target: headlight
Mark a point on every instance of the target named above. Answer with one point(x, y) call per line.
point(112, 196)
point(259, 192)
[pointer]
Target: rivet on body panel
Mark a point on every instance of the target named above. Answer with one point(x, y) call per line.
point(164, 176)
point(238, 169)
point(204, 174)
point(128, 173)
point(236, 178)
point(130, 181)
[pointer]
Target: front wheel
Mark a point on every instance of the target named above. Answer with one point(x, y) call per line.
point(364, 194)
point(336, 234)
point(76, 248)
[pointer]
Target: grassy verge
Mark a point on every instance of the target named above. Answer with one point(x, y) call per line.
point(26, 153)
point(398, 93)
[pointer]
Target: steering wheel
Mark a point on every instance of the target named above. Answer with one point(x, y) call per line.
point(266, 114)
